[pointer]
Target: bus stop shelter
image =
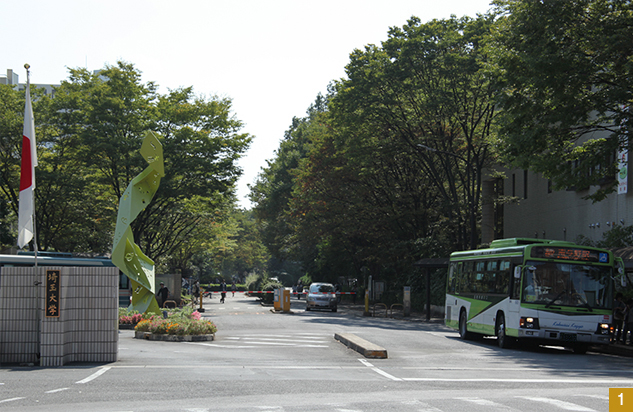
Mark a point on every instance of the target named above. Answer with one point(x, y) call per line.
point(428, 265)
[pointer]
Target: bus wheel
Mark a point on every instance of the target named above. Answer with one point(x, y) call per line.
point(503, 341)
point(463, 330)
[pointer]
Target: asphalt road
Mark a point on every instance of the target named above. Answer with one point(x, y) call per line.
point(264, 361)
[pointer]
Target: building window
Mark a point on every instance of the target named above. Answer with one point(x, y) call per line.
point(514, 185)
point(525, 184)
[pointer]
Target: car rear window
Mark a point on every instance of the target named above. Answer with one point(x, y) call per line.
point(322, 288)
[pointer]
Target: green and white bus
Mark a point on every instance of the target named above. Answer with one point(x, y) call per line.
point(536, 291)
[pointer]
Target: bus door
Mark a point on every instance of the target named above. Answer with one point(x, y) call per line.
point(515, 295)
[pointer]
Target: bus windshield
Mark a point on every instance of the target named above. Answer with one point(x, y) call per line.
point(567, 284)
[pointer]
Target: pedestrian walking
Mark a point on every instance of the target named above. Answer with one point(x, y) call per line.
point(223, 291)
point(162, 295)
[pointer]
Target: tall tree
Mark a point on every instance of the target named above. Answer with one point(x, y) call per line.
point(564, 81)
point(90, 135)
point(425, 93)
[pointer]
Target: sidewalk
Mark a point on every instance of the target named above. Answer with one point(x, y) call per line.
point(386, 312)
point(614, 349)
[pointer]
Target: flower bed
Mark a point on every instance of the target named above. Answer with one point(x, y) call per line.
point(178, 325)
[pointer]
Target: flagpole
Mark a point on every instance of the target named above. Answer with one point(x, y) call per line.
point(29, 135)
point(28, 89)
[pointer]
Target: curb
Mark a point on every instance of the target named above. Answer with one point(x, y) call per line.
point(173, 338)
point(360, 345)
point(612, 349)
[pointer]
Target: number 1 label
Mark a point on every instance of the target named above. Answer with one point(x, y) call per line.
point(620, 399)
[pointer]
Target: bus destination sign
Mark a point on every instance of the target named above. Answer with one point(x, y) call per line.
point(569, 253)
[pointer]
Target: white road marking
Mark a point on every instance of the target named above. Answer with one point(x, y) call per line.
point(425, 407)
point(603, 397)
point(488, 403)
point(599, 381)
point(11, 400)
point(95, 375)
point(568, 406)
point(385, 374)
point(57, 390)
point(215, 345)
point(479, 401)
point(378, 370)
point(276, 339)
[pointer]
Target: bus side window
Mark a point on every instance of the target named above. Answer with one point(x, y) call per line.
point(465, 286)
point(504, 275)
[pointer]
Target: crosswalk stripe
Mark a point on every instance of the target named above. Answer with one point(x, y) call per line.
point(254, 340)
point(487, 403)
point(281, 340)
point(423, 407)
point(568, 406)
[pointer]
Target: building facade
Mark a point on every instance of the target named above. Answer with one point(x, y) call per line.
point(13, 79)
point(541, 212)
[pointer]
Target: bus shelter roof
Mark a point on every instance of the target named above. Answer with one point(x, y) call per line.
point(432, 263)
point(626, 253)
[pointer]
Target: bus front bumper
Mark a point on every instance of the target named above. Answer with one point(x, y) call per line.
point(558, 337)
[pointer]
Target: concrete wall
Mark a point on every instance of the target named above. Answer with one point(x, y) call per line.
point(86, 329)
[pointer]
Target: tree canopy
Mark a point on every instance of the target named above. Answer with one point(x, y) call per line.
point(89, 137)
point(563, 74)
point(388, 167)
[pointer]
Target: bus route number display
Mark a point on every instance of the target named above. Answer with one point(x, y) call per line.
point(569, 253)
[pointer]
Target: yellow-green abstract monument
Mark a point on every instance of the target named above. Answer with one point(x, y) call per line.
point(126, 255)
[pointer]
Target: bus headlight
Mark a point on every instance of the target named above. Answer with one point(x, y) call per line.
point(528, 322)
point(603, 329)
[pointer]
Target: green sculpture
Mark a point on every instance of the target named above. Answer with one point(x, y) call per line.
point(126, 255)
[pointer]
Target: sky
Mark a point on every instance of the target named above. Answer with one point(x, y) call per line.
point(271, 57)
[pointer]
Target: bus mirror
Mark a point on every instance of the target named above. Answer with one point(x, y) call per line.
point(517, 272)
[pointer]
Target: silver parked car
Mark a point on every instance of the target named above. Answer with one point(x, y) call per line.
point(321, 296)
